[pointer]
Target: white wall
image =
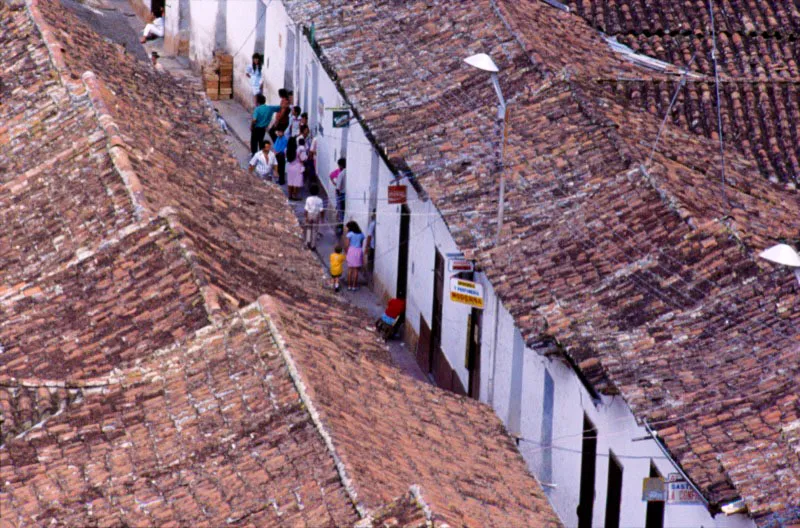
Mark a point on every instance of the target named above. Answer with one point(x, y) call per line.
point(616, 426)
point(202, 32)
point(277, 22)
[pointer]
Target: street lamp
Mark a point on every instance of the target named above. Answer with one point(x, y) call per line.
point(784, 255)
point(485, 63)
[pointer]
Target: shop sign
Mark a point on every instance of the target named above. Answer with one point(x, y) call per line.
point(654, 489)
point(681, 492)
point(341, 118)
point(466, 292)
point(397, 194)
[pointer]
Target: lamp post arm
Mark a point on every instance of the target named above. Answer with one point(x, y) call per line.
point(496, 84)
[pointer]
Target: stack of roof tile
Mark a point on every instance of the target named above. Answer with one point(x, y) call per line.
point(634, 258)
point(140, 381)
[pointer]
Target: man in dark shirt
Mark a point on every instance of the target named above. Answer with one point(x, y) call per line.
point(258, 126)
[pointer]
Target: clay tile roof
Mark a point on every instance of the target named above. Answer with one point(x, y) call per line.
point(208, 433)
point(140, 384)
point(758, 64)
point(390, 433)
point(630, 257)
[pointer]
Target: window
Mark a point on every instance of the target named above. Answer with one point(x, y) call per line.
point(655, 509)
point(547, 429)
point(614, 497)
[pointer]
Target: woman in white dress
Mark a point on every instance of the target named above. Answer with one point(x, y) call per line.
point(253, 73)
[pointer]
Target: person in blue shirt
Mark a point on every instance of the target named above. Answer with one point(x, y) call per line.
point(258, 126)
point(281, 142)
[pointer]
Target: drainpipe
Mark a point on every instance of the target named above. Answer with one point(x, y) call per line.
point(490, 388)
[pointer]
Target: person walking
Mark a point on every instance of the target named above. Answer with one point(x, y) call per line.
point(253, 73)
point(295, 157)
point(354, 242)
point(258, 125)
point(339, 179)
point(280, 145)
point(313, 215)
point(337, 266)
point(311, 154)
point(263, 163)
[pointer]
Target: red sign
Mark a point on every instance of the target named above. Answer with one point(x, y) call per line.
point(397, 194)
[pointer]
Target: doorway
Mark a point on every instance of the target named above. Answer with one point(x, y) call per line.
point(436, 355)
point(402, 258)
point(474, 354)
point(156, 6)
point(655, 509)
point(614, 497)
point(588, 461)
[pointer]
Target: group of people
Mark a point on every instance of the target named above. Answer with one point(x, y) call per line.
point(284, 151)
point(281, 134)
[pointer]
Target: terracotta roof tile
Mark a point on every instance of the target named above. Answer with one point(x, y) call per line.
point(174, 405)
point(207, 433)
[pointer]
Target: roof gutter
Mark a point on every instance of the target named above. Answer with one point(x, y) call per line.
point(557, 5)
point(677, 466)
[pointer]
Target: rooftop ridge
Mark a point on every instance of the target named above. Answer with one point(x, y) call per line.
point(414, 496)
point(210, 293)
point(268, 307)
point(54, 49)
point(90, 85)
point(116, 146)
point(117, 150)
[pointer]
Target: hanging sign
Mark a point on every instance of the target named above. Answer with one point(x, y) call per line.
point(681, 492)
point(466, 292)
point(459, 265)
point(397, 194)
point(341, 118)
point(654, 490)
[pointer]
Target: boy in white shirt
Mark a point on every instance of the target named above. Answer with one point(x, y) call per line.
point(264, 163)
point(313, 216)
point(154, 29)
point(294, 122)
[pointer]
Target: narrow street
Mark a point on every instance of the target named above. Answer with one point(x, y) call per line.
point(238, 140)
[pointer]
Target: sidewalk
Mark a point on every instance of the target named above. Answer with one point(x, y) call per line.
point(238, 120)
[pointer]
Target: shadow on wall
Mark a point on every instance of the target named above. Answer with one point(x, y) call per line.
point(221, 25)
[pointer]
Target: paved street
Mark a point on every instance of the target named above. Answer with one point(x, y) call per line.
point(238, 119)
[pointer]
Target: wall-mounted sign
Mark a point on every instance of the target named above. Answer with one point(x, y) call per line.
point(459, 264)
point(654, 489)
point(397, 194)
point(341, 118)
point(466, 292)
point(681, 492)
